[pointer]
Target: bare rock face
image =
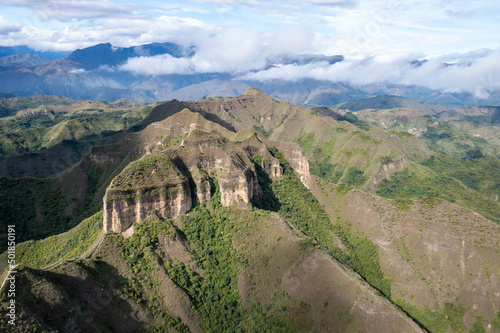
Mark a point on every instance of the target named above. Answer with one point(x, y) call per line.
point(151, 183)
point(300, 164)
point(255, 146)
point(388, 168)
point(171, 182)
point(297, 160)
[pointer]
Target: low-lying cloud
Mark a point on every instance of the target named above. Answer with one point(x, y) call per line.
point(247, 57)
point(234, 50)
point(456, 73)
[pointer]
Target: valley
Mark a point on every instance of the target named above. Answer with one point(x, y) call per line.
point(249, 213)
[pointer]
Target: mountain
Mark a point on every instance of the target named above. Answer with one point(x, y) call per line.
point(460, 132)
point(21, 60)
point(224, 175)
point(12, 50)
point(95, 72)
point(77, 74)
point(248, 213)
point(310, 92)
point(107, 55)
point(114, 94)
point(303, 59)
point(391, 102)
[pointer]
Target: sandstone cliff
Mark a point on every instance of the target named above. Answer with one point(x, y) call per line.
point(172, 181)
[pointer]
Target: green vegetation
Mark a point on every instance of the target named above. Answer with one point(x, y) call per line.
point(448, 320)
point(12, 105)
point(302, 210)
point(150, 174)
point(215, 296)
point(496, 323)
point(448, 184)
point(447, 138)
point(139, 254)
point(262, 130)
point(355, 177)
point(69, 245)
point(481, 174)
point(38, 131)
point(39, 209)
point(210, 237)
point(35, 206)
point(353, 119)
point(386, 159)
point(478, 326)
point(319, 158)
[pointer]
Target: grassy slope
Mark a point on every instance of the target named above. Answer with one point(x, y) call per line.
point(68, 245)
point(249, 263)
point(471, 184)
point(43, 207)
point(339, 150)
point(432, 252)
point(29, 134)
point(469, 138)
point(250, 270)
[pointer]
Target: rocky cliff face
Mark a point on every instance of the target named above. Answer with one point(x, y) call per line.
point(151, 183)
point(172, 181)
point(297, 160)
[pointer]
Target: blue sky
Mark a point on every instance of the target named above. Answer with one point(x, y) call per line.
point(378, 38)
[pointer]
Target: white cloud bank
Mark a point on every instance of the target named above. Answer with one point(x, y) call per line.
point(246, 56)
point(457, 73)
point(234, 50)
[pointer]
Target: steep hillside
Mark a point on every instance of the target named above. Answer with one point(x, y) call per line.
point(252, 214)
point(223, 266)
point(21, 60)
point(464, 133)
point(439, 257)
point(157, 280)
point(44, 122)
point(333, 147)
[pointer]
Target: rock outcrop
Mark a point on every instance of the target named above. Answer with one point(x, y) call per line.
point(152, 183)
point(174, 180)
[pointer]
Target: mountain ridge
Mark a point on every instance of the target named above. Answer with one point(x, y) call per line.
point(84, 71)
point(340, 207)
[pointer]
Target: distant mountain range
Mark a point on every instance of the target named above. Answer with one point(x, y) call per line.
point(12, 50)
point(94, 73)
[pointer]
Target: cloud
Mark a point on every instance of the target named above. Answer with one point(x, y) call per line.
point(341, 3)
point(290, 40)
point(232, 2)
point(231, 50)
point(478, 76)
point(78, 71)
point(6, 27)
point(124, 32)
point(458, 13)
point(161, 64)
point(64, 10)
